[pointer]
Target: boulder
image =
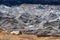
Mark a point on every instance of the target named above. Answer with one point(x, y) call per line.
point(16, 32)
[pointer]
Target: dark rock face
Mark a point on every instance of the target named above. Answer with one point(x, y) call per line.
point(18, 2)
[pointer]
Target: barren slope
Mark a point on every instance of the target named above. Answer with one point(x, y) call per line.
point(4, 36)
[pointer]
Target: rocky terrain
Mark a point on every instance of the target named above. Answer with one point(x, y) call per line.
point(36, 19)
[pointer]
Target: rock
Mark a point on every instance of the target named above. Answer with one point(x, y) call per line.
point(43, 33)
point(53, 23)
point(52, 16)
point(16, 32)
point(31, 26)
point(27, 18)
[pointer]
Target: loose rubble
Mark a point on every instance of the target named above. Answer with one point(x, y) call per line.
point(40, 20)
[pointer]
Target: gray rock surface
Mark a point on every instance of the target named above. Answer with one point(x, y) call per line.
point(37, 19)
